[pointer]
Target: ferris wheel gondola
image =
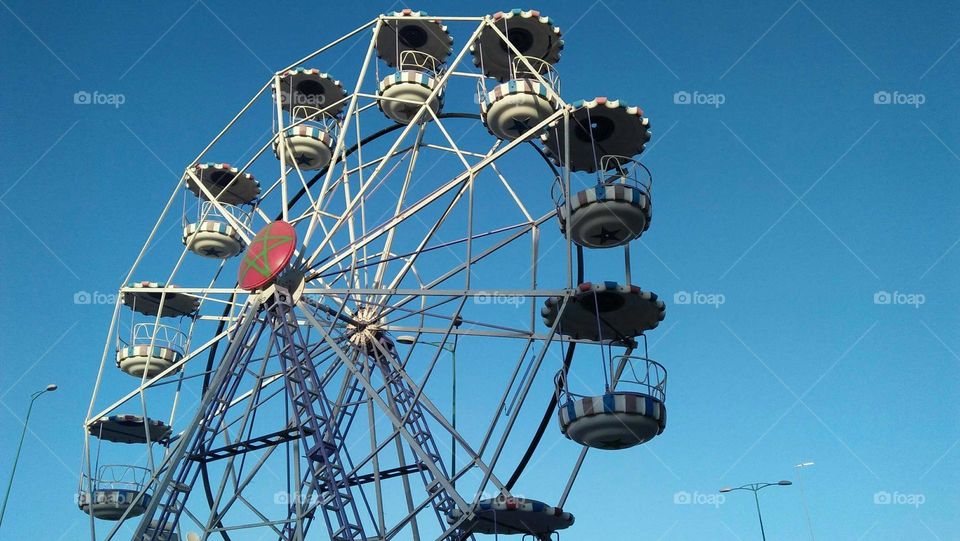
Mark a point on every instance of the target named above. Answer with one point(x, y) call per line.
point(213, 236)
point(225, 183)
point(512, 108)
point(602, 311)
point(600, 127)
point(409, 30)
point(629, 413)
point(417, 46)
point(153, 347)
point(529, 34)
point(216, 230)
point(309, 147)
point(613, 212)
point(403, 93)
point(129, 429)
point(518, 51)
point(305, 92)
point(118, 493)
point(313, 101)
point(516, 515)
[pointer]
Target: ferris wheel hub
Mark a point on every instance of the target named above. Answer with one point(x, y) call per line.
point(366, 328)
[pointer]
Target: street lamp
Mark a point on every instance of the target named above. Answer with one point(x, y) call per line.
point(757, 487)
point(452, 348)
point(803, 498)
point(16, 458)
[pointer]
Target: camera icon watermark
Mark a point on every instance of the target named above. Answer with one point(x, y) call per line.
point(885, 97)
point(87, 297)
point(497, 298)
point(82, 97)
point(699, 297)
point(684, 97)
point(899, 298)
point(898, 498)
point(696, 498)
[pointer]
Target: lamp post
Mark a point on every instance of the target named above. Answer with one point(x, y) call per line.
point(16, 458)
point(755, 488)
point(803, 498)
point(452, 348)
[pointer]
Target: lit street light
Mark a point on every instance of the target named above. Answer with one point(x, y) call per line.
point(16, 458)
point(757, 487)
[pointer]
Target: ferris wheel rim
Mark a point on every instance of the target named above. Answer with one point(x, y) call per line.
point(398, 281)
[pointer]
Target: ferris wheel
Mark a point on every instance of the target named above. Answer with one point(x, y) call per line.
point(292, 372)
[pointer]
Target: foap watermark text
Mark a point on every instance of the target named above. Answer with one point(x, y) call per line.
point(886, 97)
point(699, 297)
point(899, 298)
point(494, 297)
point(714, 99)
point(87, 297)
point(82, 97)
point(697, 498)
point(898, 498)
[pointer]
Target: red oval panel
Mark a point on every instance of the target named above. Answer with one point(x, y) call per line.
point(267, 255)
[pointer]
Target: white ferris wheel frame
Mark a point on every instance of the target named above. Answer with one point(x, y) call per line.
point(317, 217)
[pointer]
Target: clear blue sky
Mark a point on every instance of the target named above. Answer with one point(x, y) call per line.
point(797, 200)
